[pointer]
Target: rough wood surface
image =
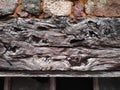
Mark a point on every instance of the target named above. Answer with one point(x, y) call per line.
point(59, 43)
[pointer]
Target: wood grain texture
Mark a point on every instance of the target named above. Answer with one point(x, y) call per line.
point(59, 43)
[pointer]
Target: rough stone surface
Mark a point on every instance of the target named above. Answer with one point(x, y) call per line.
point(31, 6)
point(7, 7)
point(78, 10)
point(58, 8)
point(47, 4)
point(103, 7)
point(22, 14)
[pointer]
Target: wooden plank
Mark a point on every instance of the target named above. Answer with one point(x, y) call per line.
point(95, 84)
point(59, 74)
point(7, 83)
point(91, 44)
point(52, 83)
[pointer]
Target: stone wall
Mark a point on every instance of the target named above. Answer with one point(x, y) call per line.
point(71, 8)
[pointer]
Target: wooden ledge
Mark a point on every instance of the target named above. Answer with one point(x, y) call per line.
point(59, 74)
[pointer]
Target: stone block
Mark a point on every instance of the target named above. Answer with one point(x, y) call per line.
point(58, 8)
point(31, 6)
point(7, 7)
point(47, 4)
point(22, 14)
point(103, 7)
point(78, 10)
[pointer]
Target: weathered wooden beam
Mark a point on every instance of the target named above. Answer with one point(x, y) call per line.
point(59, 43)
point(7, 83)
point(95, 84)
point(52, 83)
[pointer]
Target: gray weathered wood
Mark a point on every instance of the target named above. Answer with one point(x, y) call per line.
point(59, 43)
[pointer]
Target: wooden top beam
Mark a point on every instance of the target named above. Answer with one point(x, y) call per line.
point(60, 43)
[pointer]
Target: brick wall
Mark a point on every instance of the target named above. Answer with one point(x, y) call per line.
point(72, 8)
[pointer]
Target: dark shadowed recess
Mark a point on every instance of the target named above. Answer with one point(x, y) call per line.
point(74, 84)
point(109, 83)
point(1, 83)
point(30, 84)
